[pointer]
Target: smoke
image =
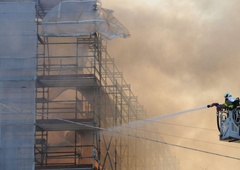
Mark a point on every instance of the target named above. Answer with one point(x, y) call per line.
point(179, 48)
point(181, 54)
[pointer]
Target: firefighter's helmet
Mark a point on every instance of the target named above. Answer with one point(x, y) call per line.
point(227, 95)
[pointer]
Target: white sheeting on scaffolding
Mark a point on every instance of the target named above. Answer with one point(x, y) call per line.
point(82, 17)
point(18, 44)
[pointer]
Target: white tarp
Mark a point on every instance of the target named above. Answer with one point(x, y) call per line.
point(18, 45)
point(82, 17)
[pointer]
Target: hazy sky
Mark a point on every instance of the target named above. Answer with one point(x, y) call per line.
point(181, 55)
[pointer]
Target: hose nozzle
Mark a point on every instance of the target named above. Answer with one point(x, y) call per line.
point(213, 104)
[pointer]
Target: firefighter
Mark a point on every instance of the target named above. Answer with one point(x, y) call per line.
point(229, 104)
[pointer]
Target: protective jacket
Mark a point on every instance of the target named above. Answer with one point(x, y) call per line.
point(231, 103)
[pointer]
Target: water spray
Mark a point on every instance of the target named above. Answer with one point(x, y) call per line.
point(154, 119)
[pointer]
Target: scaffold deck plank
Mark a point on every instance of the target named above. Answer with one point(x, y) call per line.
point(75, 167)
point(79, 80)
point(64, 125)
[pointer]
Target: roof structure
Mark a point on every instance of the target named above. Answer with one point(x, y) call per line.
point(81, 17)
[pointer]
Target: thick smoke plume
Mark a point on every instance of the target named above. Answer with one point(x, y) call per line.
point(181, 55)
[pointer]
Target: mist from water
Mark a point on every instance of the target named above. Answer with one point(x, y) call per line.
point(155, 119)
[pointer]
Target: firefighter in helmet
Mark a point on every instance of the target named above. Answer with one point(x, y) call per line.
point(229, 104)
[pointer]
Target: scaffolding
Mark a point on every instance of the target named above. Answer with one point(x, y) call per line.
point(78, 98)
point(78, 82)
point(72, 98)
point(17, 85)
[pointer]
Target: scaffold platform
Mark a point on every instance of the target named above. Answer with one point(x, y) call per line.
point(76, 167)
point(85, 81)
point(64, 125)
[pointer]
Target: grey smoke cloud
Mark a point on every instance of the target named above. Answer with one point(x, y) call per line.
point(181, 55)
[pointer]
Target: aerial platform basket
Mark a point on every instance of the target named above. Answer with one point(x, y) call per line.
point(228, 122)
